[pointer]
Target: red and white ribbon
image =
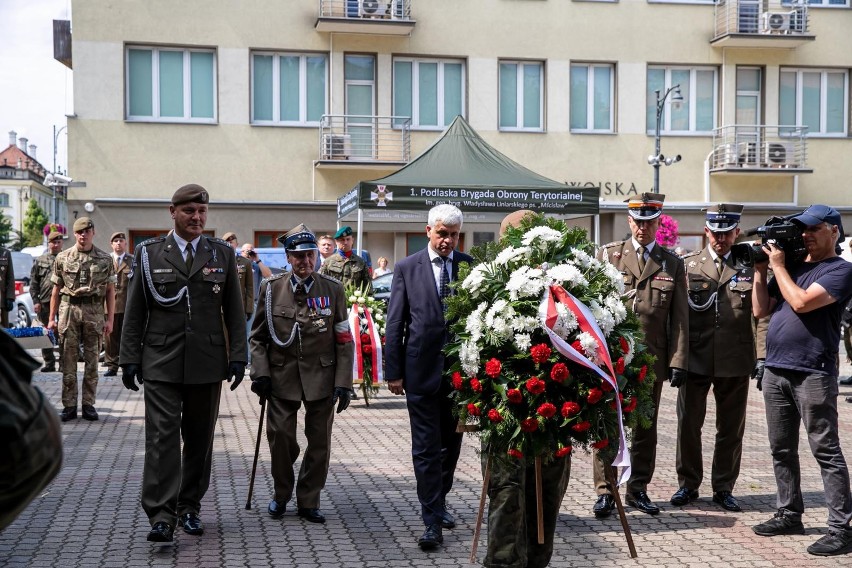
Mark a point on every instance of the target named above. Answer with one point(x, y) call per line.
point(375, 342)
point(376, 353)
point(587, 323)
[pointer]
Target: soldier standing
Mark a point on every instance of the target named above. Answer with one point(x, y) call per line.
point(345, 265)
point(304, 356)
point(244, 271)
point(655, 285)
point(721, 355)
point(83, 285)
point(184, 333)
point(41, 288)
point(123, 264)
point(7, 286)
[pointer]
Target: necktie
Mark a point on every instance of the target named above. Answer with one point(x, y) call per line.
point(444, 290)
point(189, 258)
point(720, 264)
point(641, 259)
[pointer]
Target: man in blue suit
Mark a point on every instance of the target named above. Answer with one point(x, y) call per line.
point(416, 333)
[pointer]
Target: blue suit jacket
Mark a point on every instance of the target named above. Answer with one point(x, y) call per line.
point(416, 329)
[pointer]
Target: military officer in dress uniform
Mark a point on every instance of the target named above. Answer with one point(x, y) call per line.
point(345, 265)
point(184, 333)
point(122, 262)
point(84, 297)
point(7, 286)
point(721, 356)
point(245, 272)
point(655, 288)
point(41, 288)
point(301, 351)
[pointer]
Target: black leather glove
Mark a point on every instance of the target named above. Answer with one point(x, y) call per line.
point(341, 397)
point(129, 372)
point(236, 371)
point(262, 387)
point(677, 377)
point(757, 373)
point(10, 304)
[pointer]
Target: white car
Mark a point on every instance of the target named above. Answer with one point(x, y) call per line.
point(24, 315)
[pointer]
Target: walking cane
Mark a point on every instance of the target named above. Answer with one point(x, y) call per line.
point(256, 451)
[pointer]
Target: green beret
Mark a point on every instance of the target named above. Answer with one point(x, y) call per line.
point(343, 232)
point(190, 193)
point(82, 224)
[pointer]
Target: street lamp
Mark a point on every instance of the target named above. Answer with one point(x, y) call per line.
point(56, 134)
point(658, 158)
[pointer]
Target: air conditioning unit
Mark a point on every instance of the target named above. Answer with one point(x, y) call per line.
point(779, 154)
point(372, 8)
point(748, 154)
point(777, 22)
point(336, 146)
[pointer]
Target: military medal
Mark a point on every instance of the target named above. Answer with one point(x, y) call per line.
point(216, 288)
point(205, 271)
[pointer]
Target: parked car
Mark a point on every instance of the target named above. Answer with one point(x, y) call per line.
point(24, 313)
point(382, 287)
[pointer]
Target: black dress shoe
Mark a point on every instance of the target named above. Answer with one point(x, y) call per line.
point(640, 500)
point(161, 532)
point(447, 521)
point(277, 508)
point(110, 373)
point(191, 524)
point(312, 515)
point(604, 506)
point(684, 496)
point(68, 413)
point(432, 538)
point(727, 501)
point(48, 369)
point(89, 412)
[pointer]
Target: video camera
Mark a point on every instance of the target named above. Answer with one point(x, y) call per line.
point(779, 231)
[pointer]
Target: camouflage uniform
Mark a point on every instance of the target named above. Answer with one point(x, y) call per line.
point(41, 286)
point(7, 284)
point(83, 278)
point(352, 270)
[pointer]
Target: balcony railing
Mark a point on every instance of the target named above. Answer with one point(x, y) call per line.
point(759, 23)
point(770, 149)
point(386, 17)
point(356, 139)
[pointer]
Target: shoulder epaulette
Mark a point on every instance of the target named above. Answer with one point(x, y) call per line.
point(217, 240)
point(690, 254)
point(613, 244)
point(151, 241)
point(327, 277)
point(274, 276)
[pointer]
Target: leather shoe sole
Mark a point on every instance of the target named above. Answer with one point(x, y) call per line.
point(683, 496)
point(312, 515)
point(191, 524)
point(604, 506)
point(161, 532)
point(276, 509)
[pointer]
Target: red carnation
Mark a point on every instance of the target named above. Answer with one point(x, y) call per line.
point(458, 381)
point(605, 386)
point(492, 368)
point(494, 415)
point(365, 339)
point(559, 372)
point(473, 410)
point(600, 444)
point(540, 353)
point(535, 385)
point(625, 346)
point(642, 372)
point(546, 410)
point(577, 345)
point(620, 397)
point(619, 365)
point(517, 454)
point(529, 424)
point(580, 427)
point(594, 395)
point(563, 451)
point(475, 385)
point(367, 349)
point(514, 396)
point(631, 405)
point(570, 409)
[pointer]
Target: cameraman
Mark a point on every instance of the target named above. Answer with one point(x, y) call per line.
point(800, 380)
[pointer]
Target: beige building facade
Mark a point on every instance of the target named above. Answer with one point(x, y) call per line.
point(279, 108)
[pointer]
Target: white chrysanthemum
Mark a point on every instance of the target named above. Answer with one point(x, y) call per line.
point(477, 277)
point(582, 257)
point(567, 274)
point(525, 324)
point(525, 282)
point(615, 277)
point(469, 357)
point(509, 254)
point(500, 330)
point(603, 316)
point(543, 234)
point(566, 322)
point(616, 307)
point(589, 345)
point(360, 309)
point(523, 341)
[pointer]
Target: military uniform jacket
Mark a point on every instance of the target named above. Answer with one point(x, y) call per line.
point(41, 286)
point(658, 296)
point(7, 276)
point(81, 274)
point(351, 271)
point(721, 340)
point(190, 340)
point(321, 353)
point(122, 275)
point(244, 271)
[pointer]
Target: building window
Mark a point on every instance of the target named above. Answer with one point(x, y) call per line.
point(289, 89)
point(749, 83)
point(4, 200)
point(831, 3)
point(171, 85)
point(522, 95)
point(697, 113)
point(591, 97)
point(814, 98)
point(429, 91)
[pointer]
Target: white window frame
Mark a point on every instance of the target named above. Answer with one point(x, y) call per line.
point(276, 89)
point(519, 96)
point(415, 89)
point(825, 4)
point(590, 97)
point(4, 200)
point(693, 107)
point(823, 93)
point(155, 85)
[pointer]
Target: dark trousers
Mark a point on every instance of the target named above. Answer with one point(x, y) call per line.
point(731, 394)
point(112, 343)
point(793, 398)
point(173, 483)
point(435, 448)
point(281, 432)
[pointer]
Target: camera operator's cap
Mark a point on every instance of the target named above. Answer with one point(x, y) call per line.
point(229, 236)
point(816, 214)
point(190, 193)
point(723, 217)
point(117, 235)
point(82, 224)
point(645, 206)
point(299, 238)
point(54, 235)
point(343, 232)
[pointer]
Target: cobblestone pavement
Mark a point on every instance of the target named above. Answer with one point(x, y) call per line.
point(91, 516)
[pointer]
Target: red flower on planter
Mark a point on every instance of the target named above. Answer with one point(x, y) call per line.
point(473, 410)
point(559, 372)
point(577, 345)
point(529, 425)
point(514, 396)
point(563, 451)
point(546, 410)
point(475, 385)
point(517, 454)
point(594, 395)
point(631, 405)
point(540, 353)
point(535, 385)
point(642, 373)
point(580, 427)
point(619, 365)
point(458, 381)
point(492, 368)
point(570, 409)
point(494, 415)
point(601, 444)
